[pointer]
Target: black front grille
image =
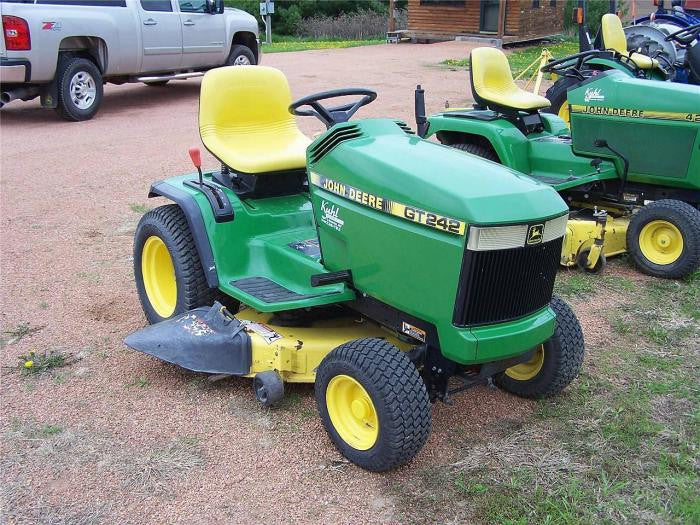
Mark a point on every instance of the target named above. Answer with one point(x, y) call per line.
point(501, 285)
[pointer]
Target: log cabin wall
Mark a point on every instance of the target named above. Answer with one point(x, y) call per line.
point(523, 18)
point(542, 18)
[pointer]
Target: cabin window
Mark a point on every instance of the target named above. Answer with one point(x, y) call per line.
point(535, 3)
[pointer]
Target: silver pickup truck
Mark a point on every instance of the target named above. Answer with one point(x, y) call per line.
point(65, 50)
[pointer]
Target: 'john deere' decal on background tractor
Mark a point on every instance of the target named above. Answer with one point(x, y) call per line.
point(404, 211)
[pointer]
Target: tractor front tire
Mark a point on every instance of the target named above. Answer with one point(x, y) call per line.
point(373, 403)
point(169, 275)
point(479, 150)
point(663, 239)
point(556, 362)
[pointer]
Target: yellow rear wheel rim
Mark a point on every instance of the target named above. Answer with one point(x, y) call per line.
point(661, 242)
point(352, 412)
point(564, 113)
point(529, 369)
point(159, 276)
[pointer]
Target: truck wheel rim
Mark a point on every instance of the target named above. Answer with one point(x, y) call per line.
point(159, 276)
point(564, 113)
point(352, 412)
point(83, 90)
point(529, 369)
point(661, 242)
point(241, 60)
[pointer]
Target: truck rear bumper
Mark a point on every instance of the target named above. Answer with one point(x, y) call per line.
point(14, 70)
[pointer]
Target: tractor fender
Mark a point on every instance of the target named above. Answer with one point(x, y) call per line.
point(508, 142)
point(196, 223)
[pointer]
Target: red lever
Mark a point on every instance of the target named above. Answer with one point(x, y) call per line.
point(196, 156)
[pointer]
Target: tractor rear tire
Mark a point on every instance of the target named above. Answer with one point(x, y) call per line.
point(556, 362)
point(477, 149)
point(557, 96)
point(373, 403)
point(165, 253)
point(663, 239)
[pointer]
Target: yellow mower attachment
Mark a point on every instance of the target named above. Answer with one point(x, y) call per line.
point(589, 241)
point(295, 352)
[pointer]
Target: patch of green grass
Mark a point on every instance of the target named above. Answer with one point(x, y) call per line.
point(36, 363)
point(575, 283)
point(17, 333)
point(521, 58)
point(139, 208)
point(91, 277)
point(286, 44)
point(618, 446)
point(141, 382)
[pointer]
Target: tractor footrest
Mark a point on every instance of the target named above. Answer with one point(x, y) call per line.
point(553, 180)
point(269, 291)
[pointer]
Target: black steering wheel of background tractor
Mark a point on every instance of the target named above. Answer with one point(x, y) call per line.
point(572, 66)
point(685, 35)
point(336, 114)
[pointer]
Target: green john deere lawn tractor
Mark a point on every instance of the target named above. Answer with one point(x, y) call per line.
point(387, 269)
point(629, 168)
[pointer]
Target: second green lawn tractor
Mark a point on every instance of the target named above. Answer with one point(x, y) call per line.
point(629, 168)
point(386, 269)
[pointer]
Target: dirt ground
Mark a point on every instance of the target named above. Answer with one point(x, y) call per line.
point(118, 437)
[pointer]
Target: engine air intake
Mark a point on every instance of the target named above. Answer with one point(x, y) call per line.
point(502, 285)
point(330, 141)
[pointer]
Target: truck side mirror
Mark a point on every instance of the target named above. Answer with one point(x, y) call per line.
point(215, 7)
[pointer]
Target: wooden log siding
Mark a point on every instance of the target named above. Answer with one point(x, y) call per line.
point(522, 20)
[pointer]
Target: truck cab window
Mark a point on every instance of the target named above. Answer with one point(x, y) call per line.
point(156, 5)
point(193, 6)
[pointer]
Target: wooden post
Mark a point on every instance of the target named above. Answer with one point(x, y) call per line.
point(392, 19)
point(501, 18)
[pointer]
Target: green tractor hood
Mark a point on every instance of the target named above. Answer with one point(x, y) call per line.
point(383, 158)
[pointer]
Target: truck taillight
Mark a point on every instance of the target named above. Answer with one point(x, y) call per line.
point(16, 32)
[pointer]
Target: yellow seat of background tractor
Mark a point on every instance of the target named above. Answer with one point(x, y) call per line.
point(614, 38)
point(244, 120)
point(493, 81)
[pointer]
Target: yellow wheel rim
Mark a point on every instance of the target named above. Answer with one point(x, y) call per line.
point(352, 412)
point(529, 369)
point(661, 242)
point(564, 113)
point(159, 276)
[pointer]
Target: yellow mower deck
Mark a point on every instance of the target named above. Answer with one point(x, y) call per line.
point(295, 352)
point(581, 235)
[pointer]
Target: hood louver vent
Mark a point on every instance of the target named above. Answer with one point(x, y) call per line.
point(405, 127)
point(331, 140)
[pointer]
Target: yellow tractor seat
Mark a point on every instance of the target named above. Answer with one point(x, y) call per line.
point(244, 121)
point(493, 84)
point(614, 39)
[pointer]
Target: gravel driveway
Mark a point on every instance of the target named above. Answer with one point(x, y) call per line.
point(118, 437)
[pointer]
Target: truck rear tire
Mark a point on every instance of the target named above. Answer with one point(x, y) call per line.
point(373, 403)
point(80, 89)
point(663, 239)
point(556, 362)
point(240, 56)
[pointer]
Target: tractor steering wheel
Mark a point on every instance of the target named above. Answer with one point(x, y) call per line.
point(684, 35)
point(335, 114)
